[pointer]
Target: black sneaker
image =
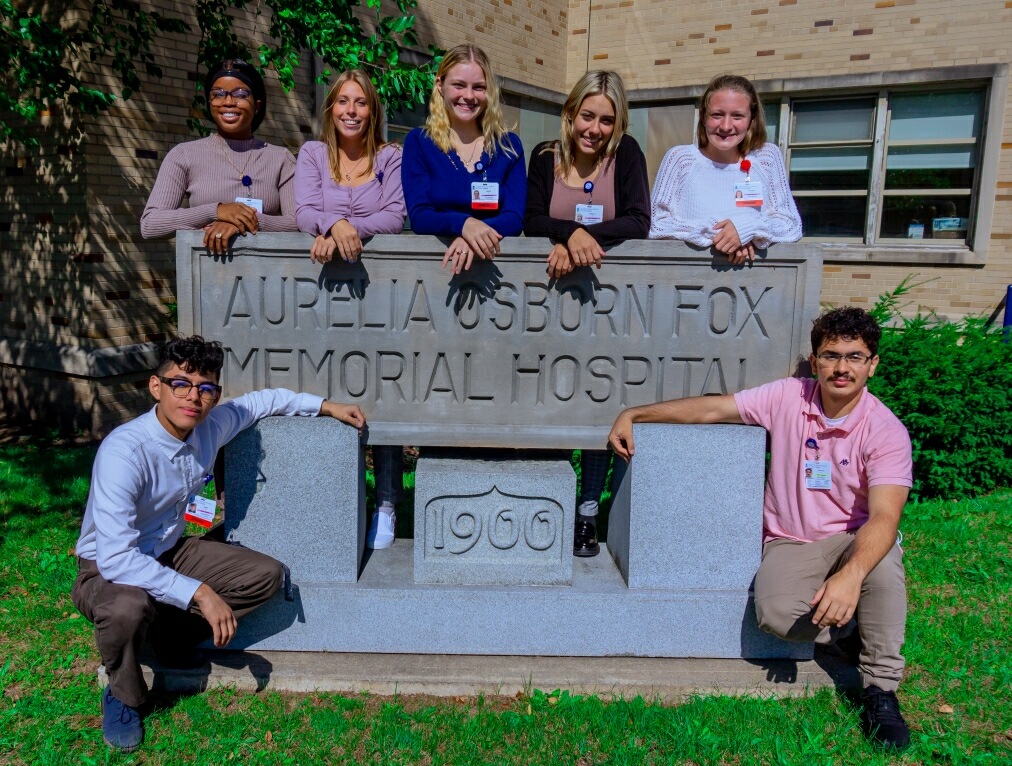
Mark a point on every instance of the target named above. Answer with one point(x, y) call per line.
point(585, 538)
point(881, 719)
point(121, 724)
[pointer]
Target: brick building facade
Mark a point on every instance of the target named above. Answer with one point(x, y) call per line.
point(893, 116)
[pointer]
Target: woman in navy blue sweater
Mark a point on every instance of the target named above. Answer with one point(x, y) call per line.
point(463, 173)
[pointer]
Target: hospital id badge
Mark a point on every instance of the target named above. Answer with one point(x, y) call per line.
point(200, 510)
point(588, 214)
point(818, 474)
point(748, 194)
point(253, 202)
point(484, 195)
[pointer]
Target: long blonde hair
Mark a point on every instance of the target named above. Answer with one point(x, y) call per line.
point(755, 136)
point(490, 119)
point(373, 132)
point(595, 83)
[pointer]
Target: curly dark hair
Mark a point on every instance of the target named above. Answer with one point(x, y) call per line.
point(846, 323)
point(193, 354)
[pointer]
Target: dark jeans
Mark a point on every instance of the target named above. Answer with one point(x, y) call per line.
point(388, 467)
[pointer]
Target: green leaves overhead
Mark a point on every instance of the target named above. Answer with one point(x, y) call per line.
point(44, 55)
point(43, 58)
point(339, 33)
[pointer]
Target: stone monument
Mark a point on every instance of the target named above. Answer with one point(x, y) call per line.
point(503, 356)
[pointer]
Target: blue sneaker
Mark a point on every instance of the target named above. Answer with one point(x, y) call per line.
point(121, 724)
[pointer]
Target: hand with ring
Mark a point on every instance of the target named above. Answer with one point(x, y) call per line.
point(218, 236)
point(459, 255)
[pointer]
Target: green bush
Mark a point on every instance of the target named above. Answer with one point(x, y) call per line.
point(950, 384)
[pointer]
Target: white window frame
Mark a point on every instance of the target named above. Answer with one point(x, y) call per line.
point(993, 79)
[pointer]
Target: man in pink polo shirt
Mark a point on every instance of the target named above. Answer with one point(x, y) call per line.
point(840, 471)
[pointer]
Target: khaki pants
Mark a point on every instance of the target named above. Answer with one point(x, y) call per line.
point(123, 614)
point(792, 572)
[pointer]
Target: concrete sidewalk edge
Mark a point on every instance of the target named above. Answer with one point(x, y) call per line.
point(668, 680)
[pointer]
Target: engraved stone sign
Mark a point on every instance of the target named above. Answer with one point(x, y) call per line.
point(500, 355)
point(494, 522)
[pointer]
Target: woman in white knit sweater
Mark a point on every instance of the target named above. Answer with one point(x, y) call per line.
point(728, 190)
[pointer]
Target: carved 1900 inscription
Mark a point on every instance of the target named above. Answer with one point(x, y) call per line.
point(425, 353)
point(491, 526)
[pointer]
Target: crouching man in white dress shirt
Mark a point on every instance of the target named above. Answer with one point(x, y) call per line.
point(135, 567)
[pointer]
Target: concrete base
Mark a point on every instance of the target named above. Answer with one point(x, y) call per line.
point(387, 612)
point(669, 680)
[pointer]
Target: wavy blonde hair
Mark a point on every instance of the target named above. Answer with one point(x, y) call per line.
point(595, 83)
point(490, 120)
point(755, 136)
point(373, 130)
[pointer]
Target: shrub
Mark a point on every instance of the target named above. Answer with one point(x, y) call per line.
point(950, 384)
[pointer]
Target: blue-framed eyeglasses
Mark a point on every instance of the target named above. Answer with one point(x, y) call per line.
point(180, 388)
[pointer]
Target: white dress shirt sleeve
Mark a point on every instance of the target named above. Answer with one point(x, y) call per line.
point(240, 413)
point(117, 484)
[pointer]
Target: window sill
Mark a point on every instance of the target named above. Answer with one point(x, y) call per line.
point(916, 255)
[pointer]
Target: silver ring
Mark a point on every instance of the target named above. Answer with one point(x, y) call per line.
point(218, 235)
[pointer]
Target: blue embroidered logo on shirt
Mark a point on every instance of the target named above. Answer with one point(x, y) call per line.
point(845, 461)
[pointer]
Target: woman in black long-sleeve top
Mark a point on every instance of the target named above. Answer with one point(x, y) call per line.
point(585, 192)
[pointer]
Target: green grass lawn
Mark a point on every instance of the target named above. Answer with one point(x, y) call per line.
point(957, 695)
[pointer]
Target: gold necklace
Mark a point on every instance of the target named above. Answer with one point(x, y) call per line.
point(355, 167)
point(244, 179)
point(469, 162)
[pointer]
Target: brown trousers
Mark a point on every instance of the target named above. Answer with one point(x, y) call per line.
point(124, 615)
point(792, 572)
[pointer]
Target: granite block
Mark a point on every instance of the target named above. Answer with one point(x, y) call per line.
point(597, 616)
point(688, 514)
point(494, 522)
point(295, 490)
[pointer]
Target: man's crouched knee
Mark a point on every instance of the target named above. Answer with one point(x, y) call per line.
point(785, 617)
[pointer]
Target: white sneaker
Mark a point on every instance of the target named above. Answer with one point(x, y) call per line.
point(381, 531)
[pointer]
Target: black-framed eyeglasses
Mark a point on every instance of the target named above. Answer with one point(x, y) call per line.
point(856, 359)
point(239, 94)
point(180, 388)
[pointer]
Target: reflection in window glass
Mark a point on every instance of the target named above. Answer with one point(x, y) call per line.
point(832, 216)
point(923, 217)
point(830, 168)
point(931, 167)
point(822, 121)
point(927, 116)
point(772, 114)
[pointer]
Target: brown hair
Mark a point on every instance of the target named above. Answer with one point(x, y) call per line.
point(755, 136)
point(373, 131)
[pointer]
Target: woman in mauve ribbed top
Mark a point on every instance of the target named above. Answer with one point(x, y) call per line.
point(225, 177)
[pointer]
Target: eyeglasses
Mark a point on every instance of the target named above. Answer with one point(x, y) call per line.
point(856, 359)
point(180, 388)
point(239, 94)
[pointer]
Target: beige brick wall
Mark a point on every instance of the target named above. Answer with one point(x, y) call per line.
point(657, 44)
point(74, 271)
point(525, 39)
